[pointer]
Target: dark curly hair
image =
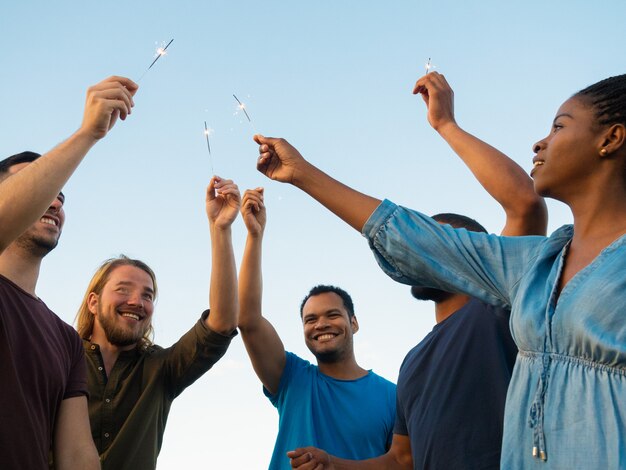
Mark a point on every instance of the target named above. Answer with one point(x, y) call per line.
point(322, 289)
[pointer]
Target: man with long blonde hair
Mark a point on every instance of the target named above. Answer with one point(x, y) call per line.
point(132, 382)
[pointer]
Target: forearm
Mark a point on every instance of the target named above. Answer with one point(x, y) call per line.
point(83, 459)
point(223, 287)
point(27, 194)
point(251, 284)
point(501, 177)
point(348, 204)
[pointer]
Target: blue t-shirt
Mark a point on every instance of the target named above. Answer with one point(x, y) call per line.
point(352, 419)
point(452, 388)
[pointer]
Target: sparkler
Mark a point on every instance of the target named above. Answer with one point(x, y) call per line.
point(207, 131)
point(243, 108)
point(428, 66)
point(159, 52)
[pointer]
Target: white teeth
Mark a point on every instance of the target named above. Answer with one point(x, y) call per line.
point(326, 336)
point(538, 163)
point(48, 221)
point(131, 315)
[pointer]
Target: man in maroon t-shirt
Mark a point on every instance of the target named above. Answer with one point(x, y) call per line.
point(42, 371)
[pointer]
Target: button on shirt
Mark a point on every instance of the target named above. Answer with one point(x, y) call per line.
point(566, 403)
point(128, 410)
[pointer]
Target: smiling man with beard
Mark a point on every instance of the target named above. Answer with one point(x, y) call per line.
point(133, 382)
point(335, 404)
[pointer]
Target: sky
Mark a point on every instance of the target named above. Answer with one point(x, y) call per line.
point(332, 77)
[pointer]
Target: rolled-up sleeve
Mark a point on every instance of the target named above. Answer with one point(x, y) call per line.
point(414, 249)
point(194, 354)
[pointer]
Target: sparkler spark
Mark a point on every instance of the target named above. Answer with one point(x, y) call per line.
point(243, 108)
point(159, 52)
point(428, 66)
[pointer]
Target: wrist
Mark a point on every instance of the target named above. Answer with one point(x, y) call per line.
point(83, 138)
point(305, 175)
point(447, 129)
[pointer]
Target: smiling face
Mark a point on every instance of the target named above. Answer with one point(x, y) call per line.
point(328, 329)
point(567, 157)
point(123, 310)
point(43, 236)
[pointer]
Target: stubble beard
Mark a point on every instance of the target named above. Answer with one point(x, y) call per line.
point(35, 244)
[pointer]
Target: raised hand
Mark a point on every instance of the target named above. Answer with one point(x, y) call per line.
point(105, 103)
point(310, 458)
point(222, 202)
point(278, 159)
point(253, 211)
point(439, 99)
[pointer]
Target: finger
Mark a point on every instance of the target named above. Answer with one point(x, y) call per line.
point(301, 460)
point(127, 83)
point(114, 91)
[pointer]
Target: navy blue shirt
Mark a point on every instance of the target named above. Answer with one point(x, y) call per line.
point(452, 388)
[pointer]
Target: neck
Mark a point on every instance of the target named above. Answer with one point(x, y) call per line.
point(600, 216)
point(447, 307)
point(109, 352)
point(346, 369)
point(20, 267)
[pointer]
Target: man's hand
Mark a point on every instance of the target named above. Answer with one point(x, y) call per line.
point(439, 99)
point(278, 159)
point(108, 100)
point(253, 211)
point(310, 458)
point(222, 202)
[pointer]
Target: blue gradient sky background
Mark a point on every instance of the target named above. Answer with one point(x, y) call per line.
point(335, 78)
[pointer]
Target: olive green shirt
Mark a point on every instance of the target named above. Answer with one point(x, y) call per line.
point(128, 410)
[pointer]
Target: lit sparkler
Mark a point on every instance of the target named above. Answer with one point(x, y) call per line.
point(428, 66)
point(242, 107)
point(159, 53)
point(207, 132)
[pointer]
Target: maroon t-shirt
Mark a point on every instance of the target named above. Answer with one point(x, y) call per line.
point(41, 364)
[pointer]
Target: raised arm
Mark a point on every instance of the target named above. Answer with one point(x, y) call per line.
point(504, 180)
point(263, 344)
point(398, 457)
point(26, 195)
point(222, 205)
point(280, 161)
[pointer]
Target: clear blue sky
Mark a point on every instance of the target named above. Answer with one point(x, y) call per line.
point(335, 78)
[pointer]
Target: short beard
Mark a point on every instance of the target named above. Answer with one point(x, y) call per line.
point(331, 357)
point(430, 293)
point(118, 336)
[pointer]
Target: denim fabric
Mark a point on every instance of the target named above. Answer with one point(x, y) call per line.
point(566, 403)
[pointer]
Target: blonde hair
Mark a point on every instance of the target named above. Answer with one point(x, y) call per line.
point(85, 319)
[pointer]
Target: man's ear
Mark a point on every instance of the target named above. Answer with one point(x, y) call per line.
point(92, 302)
point(354, 323)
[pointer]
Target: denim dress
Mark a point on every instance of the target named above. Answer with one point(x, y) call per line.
point(566, 403)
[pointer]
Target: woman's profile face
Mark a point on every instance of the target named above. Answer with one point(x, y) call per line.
point(568, 155)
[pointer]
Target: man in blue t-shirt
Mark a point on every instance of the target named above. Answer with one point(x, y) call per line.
point(336, 405)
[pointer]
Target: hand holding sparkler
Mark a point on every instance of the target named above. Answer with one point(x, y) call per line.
point(222, 202)
point(279, 160)
point(253, 212)
point(106, 102)
point(439, 99)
